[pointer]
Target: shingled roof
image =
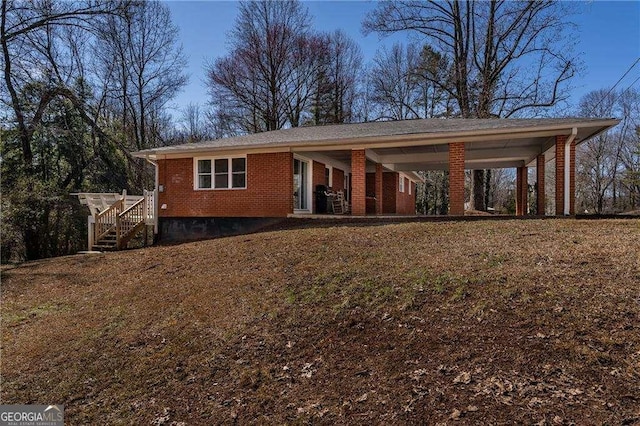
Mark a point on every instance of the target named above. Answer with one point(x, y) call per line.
point(375, 132)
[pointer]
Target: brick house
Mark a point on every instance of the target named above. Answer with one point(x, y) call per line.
point(239, 182)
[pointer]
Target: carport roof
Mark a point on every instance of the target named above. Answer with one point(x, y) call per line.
point(530, 136)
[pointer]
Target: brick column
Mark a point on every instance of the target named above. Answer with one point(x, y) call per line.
point(378, 188)
point(522, 191)
point(358, 182)
point(560, 141)
point(456, 178)
point(540, 202)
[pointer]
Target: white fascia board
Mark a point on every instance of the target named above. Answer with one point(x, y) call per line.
point(470, 155)
point(468, 166)
point(204, 152)
point(412, 176)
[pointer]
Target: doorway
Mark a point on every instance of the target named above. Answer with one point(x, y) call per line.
point(300, 185)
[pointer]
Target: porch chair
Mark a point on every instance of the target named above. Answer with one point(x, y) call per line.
point(340, 204)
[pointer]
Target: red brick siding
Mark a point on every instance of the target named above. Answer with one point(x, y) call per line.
point(414, 188)
point(338, 180)
point(572, 179)
point(358, 182)
point(560, 165)
point(405, 203)
point(456, 178)
point(540, 201)
point(378, 188)
point(268, 193)
point(317, 178)
point(560, 141)
point(522, 191)
point(371, 191)
point(389, 192)
point(371, 184)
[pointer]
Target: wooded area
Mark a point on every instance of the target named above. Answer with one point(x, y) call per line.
point(86, 82)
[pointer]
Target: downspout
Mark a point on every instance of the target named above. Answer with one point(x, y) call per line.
point(567, 169)
point(155, 194)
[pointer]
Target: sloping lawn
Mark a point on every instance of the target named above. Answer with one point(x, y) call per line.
point(513, 322)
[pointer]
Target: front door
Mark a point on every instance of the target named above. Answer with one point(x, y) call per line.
point(300, 184)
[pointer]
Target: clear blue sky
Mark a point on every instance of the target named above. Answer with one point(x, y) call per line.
point(608, 39)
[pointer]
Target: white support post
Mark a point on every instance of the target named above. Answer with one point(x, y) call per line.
point(90, 232)
point(155, 211)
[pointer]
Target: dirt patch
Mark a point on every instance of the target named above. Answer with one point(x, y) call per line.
point(458, 322)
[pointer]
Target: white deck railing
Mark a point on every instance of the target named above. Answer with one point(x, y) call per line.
point(121, 213)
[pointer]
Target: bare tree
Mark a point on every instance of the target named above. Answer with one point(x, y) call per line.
point(434, 67)
point(61, 109)
point(300, 85)
point(142, 63)
point(138, 67)
point(193, 122)
point(265, 77)
point(631, 161)
point(605, 161)
point(394, 85)
point(336, 85)
point(509, 58)
point(28, 36)
point(42, 80)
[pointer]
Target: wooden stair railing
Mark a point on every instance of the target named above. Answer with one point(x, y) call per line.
point(118, 224)
point(107, 220)
point(130, 221)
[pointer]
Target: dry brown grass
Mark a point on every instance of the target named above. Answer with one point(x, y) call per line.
point(490, 321)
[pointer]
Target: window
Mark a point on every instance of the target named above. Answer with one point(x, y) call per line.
point(222, 173)
point(409, 187)
point(401, 188)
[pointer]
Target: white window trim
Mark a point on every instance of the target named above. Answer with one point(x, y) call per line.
point(401, 183)
point(309, 183)
point(330, 175)
point(230, 172)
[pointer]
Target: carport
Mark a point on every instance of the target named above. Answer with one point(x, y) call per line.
point(456, 145)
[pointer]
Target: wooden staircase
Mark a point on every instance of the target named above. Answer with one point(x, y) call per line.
point(107, 243)
point(115, 226)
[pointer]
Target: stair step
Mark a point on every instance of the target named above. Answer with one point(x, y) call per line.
point(106, 243)
point(109, 241)
point(103, 248)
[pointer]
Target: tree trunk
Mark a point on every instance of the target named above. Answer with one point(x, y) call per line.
point(488, 202)
point(477, 192)
point(444, 206)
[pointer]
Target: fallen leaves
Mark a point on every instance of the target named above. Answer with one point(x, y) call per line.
point(463, 378)
point(486, 322)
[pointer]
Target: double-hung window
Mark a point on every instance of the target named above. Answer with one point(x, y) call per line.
point(401, 186)
point(221, 173)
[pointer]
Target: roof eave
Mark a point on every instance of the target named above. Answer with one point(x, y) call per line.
point(388, 140)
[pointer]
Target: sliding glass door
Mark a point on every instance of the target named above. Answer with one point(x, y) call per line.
point(300, 184)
